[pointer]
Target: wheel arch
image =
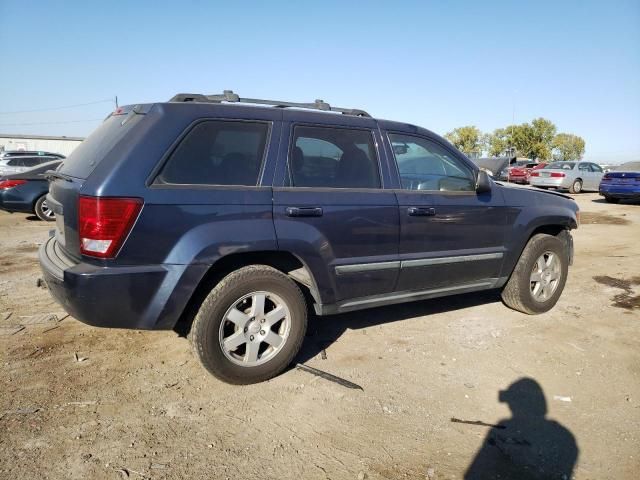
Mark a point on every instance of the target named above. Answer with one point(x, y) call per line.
point(285, 262)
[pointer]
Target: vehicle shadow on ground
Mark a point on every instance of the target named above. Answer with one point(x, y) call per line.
point(528, 445)
point(324, 331)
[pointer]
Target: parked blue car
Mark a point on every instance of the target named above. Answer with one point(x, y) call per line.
point(621, 184)
point(247, 213)
point(27, 191)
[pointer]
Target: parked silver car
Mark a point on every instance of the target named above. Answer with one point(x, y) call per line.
point(10, 165)
point(574, 176)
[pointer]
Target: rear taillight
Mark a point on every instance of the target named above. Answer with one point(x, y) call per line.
point(7, 184)
point(104, 223)
point(558, 174)
point(535, 174)
point(606, 177)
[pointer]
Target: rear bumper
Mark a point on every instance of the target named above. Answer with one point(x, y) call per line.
point(548, 182)
point(620, 191)
point(9, 203)
point(148, 297)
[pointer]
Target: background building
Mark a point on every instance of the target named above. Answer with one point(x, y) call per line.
point(62, 145)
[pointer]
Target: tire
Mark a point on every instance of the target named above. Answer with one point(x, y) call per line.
point(611, 199)
point(522, 292)
point(42, 211)
point(576, 187)
point(237, 297)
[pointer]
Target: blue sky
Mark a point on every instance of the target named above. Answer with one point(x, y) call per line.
point(436, 64)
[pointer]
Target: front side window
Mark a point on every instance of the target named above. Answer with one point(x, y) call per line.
point(333, 158)
point(596, 168)
point(425, 165)
point(218, 152)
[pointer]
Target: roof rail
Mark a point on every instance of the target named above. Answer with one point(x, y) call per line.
point(230, 97)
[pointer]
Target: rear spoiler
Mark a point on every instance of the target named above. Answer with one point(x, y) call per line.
point(129, 111)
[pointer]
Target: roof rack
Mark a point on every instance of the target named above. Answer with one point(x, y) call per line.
point(230, 97)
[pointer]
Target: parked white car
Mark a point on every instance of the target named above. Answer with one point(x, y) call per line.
point(574, 176)
point(10, 164)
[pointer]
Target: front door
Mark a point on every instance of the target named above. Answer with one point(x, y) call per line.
point(332, 212)
point(450, 236)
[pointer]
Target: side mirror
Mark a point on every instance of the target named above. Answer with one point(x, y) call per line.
point(483, 182)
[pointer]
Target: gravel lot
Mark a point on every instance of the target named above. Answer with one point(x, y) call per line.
point(83, 402)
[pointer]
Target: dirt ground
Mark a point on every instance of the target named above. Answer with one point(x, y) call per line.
point(83, 402)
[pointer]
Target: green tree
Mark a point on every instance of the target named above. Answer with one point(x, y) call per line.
point(567, 146)
point(533, 140)
point(468, 140)
point(499, 141)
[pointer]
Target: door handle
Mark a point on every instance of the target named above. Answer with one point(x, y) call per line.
point(421, 211)
point(304, 211)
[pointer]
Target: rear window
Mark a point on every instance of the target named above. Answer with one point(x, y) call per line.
point(561, 165)
point(82, 161)
point(218, 152)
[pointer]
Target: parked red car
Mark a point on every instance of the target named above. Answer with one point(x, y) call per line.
point(521, 171)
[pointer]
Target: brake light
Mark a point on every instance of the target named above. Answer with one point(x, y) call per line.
point(7, 184)
point(104, 223)
point(606, 177)
point(558, 174)
point(535, 174)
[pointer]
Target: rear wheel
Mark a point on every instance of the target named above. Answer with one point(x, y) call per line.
point(539, 277)
point(42, 210)
point(576, 187)
point(612, 199)
point(251, 325)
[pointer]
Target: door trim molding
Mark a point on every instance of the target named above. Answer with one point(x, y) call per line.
point(366, 267)
point(421, 262)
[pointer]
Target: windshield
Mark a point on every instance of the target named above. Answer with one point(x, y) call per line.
point(561, 165)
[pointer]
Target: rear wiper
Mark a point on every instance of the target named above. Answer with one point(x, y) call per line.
point(52, 175)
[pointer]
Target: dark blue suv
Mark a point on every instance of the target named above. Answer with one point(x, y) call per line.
point(246, 213)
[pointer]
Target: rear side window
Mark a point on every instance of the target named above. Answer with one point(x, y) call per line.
point(333, 158)
point(218, 152)
point(33, 161)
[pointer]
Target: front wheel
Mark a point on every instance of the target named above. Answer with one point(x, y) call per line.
point(539, 277)
point(576, 187)
point(251, 325)
point(42, 210)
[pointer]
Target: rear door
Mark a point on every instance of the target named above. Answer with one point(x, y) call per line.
point(330, 205)
point(450, 236)
point(596, 173)
point(585, 173)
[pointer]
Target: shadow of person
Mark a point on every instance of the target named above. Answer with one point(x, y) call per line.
point(527, 445)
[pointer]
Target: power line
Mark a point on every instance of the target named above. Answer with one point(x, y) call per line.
point(50, 123)
point(58, 108)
